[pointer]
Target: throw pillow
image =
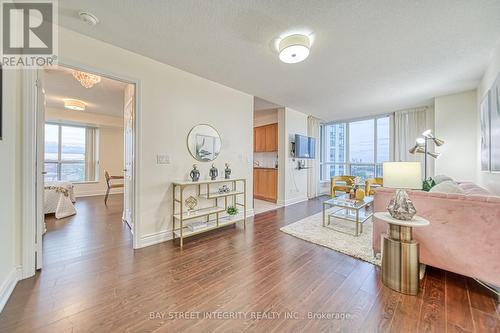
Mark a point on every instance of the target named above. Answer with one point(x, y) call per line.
point(441, 178)
point(447, 186)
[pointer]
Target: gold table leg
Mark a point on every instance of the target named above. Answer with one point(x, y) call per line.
point(400, 260)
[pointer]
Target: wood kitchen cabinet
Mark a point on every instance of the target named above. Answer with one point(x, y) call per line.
point(266, 138)
point(265, 184)
point(259, 135)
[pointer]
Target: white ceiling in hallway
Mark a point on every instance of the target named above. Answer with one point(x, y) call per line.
point(368, 57)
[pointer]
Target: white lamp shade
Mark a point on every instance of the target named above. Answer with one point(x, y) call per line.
point(294, 48)
point(404, 175)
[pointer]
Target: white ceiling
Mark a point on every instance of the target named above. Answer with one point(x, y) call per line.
point(260, 104)
point(367, 57)
point(106, 97)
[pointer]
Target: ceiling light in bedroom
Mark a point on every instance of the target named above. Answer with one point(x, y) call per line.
point(294, 48)
point(74, 104)
point(86, 79)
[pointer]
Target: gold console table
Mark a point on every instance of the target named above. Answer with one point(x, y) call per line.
point(400, 254)
point(215, 216)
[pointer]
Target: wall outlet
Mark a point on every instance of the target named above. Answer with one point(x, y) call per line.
point(162, 159)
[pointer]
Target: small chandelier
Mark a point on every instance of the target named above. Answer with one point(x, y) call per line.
point(87, 80)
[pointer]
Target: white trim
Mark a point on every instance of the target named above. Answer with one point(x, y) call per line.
point(166, 235)
point(7, 287)
point(95, 193)
point(155, 238)
point(86, 182)
point(292, 201)
point(28, 180)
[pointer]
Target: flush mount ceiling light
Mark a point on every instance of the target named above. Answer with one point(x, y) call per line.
point(86, 79)
point(88, 18)
point(74, 104)
point(294, 48)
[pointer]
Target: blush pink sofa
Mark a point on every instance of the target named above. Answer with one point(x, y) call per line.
point(464, 234)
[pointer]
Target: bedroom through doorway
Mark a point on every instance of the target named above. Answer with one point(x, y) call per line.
point(87, 163)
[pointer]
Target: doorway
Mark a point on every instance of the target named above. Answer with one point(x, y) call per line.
point(84, 148)
point(266, 156)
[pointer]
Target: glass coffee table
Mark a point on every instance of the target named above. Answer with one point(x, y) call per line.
point(357, 211)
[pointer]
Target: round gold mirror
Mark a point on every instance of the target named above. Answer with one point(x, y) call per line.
point(204, 143)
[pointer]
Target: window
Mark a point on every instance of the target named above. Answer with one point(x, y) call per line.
point(355, 148)
point(67, 156)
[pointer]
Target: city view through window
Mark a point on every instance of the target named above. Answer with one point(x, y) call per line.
point(356, 148)
point(64, 153)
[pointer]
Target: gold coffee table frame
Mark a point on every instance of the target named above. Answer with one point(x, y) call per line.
point(400, 254)
point(350, 210)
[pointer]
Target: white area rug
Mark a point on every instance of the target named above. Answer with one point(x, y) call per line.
point(310, 229)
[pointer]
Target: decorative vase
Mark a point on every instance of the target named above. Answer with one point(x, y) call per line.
point(400, 207)
point(195, 173)
point(227, 172)
point(360, 194)
point(213, 172)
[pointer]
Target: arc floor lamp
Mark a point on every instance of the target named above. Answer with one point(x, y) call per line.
point(422, 145)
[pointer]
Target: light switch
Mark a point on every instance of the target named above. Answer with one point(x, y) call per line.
point(162, 159)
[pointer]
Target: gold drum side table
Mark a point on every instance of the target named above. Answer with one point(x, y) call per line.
point(400, 254)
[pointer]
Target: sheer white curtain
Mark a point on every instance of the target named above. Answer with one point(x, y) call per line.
point(408, 126)
point(313, 125)
point(91, 153)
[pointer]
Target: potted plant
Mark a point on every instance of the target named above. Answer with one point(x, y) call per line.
point(232, 211)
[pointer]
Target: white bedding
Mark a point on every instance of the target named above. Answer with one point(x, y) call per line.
point(58, 199)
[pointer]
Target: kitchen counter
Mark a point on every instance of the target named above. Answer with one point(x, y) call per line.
point(265, 168)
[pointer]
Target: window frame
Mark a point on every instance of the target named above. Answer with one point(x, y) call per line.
point(59, 162)
point(324, 178)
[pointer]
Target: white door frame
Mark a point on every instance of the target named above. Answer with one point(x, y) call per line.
point(29, 162)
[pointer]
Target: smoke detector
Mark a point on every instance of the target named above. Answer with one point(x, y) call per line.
point(88, 18)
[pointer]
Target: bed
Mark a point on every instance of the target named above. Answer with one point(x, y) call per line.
point(59, 197)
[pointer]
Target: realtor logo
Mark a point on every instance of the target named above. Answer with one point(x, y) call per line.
point(29, 36)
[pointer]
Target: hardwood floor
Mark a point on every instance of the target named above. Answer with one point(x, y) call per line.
point(92, 281)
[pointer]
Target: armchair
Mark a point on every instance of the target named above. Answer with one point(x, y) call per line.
point(341, 183)
point(372, 181)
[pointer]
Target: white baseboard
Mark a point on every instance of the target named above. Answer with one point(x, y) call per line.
point(96, 193)
point(8, 286)
point(20, 272)
point(166, 235)
point(155, 238)
point(292, 201)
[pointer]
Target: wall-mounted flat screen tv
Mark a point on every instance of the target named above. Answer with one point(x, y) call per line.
point(305, 147)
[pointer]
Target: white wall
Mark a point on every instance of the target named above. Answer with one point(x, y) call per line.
point(491, 181)
point(293, 181)
point(455, 119)
point(9, 184)
point(110, 147)
point(171, 103)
